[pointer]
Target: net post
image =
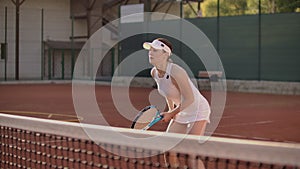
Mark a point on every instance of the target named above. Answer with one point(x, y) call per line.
point(49, 63)
point(112, 61)
point(42, 44)
point(63, 64)
point(91, 57)
point(5, 41)
point(72, 46)
point(53, 63)
point(259, 40)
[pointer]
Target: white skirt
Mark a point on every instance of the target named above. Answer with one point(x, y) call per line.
point(197, 111)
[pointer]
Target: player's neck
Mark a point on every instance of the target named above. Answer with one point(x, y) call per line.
point(161, 68)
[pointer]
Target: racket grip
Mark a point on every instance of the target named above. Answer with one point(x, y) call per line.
point(153, 122)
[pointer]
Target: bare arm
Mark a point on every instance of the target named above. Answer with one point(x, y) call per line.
point(182, 82)
point(170, 104)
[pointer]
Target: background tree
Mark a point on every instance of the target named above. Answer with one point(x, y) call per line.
point(243, 7)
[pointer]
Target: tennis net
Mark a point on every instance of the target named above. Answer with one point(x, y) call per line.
point(39, 143)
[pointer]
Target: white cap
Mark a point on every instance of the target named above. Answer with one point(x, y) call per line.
point(156, 44)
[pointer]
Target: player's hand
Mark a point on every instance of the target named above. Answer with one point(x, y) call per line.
point(167, 116)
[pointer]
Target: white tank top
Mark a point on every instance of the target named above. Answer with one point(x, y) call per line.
point(198, 110)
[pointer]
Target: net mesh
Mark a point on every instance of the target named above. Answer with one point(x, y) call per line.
point(51, 144)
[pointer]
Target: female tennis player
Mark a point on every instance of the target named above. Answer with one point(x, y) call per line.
point(188, 111)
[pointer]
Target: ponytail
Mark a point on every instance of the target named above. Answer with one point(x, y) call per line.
point(170, 60)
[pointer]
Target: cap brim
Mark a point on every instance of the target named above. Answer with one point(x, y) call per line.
point(148, 45)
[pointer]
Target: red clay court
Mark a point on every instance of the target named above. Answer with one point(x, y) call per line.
point(246, 115)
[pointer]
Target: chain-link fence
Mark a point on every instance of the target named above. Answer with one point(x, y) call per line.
point(256, 39)
point(251, 47)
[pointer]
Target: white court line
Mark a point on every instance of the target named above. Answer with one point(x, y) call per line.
point(246, 124)
point(240, 136)
point(262, 104)
point(227, 117)
point(224, 117)
point(253, 138)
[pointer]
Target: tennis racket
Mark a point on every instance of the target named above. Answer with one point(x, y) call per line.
point(146, 118)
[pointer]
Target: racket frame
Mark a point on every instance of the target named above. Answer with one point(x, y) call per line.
point(155, 119)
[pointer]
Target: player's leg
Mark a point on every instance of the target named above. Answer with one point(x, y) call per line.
point(175, 127)
point(197, 128)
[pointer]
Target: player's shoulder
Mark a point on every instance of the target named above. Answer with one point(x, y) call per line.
point(176, 69)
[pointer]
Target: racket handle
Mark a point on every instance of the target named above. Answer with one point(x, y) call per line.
point(146, 128)
point(153, 122)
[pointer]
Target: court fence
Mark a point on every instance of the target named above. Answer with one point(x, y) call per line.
point(251, 47)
